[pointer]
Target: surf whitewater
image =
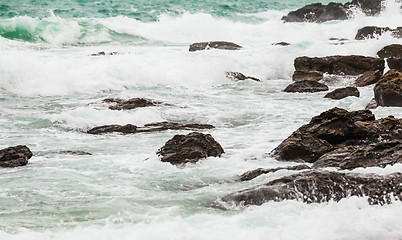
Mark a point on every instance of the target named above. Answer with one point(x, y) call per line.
point(100, 101)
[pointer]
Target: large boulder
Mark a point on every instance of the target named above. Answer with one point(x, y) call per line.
point(373, 32)
point(306, 86)
point(368, 78)
point(318, 12)
point(393, 50)
point(123, 104)
point(388, 90)
point(215, 44)
point(191, 148)
point(343, 92)
point(323, 186)
point(151, 127)
point(15, 156)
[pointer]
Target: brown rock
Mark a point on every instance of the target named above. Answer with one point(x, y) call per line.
point(395, 63)
point(343, 92)
point(307, 75)
point(368, 78)
point(15, 156)
point(122, 104)
point(388, 90)
point(306, 86)
point(393, 50)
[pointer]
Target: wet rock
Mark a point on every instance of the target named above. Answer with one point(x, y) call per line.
point(378, 154)
point(152, 127)
point(369, 7)
point(190, 148)
point(103, 54)
point(343, 92)
point(323, 186)
point(318, 12)
point(257, 172)
point(368, 78)
point(306, 86)
point(395, 63)
point(236, 76)
point(281, 44)
point(388, 90)
point(339, 65)
point(307, 75)
point(74, 152)
point(216, 45)
point(393, 50)
point(15, 156)
point(372, 104)
point(122, 104)
point(373, 32)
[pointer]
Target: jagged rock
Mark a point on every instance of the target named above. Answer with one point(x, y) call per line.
point(372, 104)
point(152, 127)
point(388, 90)
point(373, 32)
point(339, 65)
point(307, 75)
point(281, 44)
point(395, 63)
point(343, 92)
point(368, 78)
point(189, 148)
point(318, 12)
point(216, 44)
point(378, 154)
point(103, 54)
point(236, 76)
point(393, 50)
point(257, 172)
point(122, 104)
point(306, 86)
point(323, 186)
point(369, 7)
point(15, 156)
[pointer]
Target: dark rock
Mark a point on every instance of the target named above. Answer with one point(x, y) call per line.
point(152, 127)
point(255, 173)
point(368, 78)
point(340, 65)
point(78, 153)
point(395, 63)
point(103, 54)
point(306, 86)
point(378, 154)
point(122, 104)
point(373, 32)
point(281, 44)
point(216, 44)
point(388, 90)
point(189, 148)
point(317, 12)
point(369, 7)
point(393, 50)
point(323, 186)
point(15, 156)
point(343, 92)
point(372, 104)
point(307, 75)
point(236, 76)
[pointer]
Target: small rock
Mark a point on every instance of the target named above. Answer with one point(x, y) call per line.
point(236, 76)
point(307, 75)
point(281, 44)
point(343, 92)
point(388, 90)
point(368, 78)
point(317, 12)
point(103, 54)
point(372, 104)
point(393, 50)
point(126, 129)
point(306, 86)
point(122, 104)
point(189, 148)
point(78, 153)
point(216, 45)
point(373, 32)
point(15, 156)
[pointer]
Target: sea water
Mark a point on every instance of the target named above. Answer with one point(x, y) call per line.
point(51, 91)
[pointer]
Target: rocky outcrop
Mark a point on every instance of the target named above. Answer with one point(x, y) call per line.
point(214, 45)
point(257, 172)
point(122, 104)
point(237, 76)
point(323, 186)
point(318, 12)
point(368, 78)
point(388, 90)
point(333, 129)
point(338, 65)
point(306, 86)
point(373, 32)
point(393, 50)
point(343, 92)
point(395, 63)
point(152, 127)
point(190, 148)
point(15, 156)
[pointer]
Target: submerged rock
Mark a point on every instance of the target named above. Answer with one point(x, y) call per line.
point(257, 172)
point(190, 148)
point(373, 32)
point(74, 152)
point(393, 50)
point(15, 156)
point(237, 76)
point(368, 78)
point(323, 186)
point(103, 54)
point(122, 104)
point(318, 12)
point(281, 44)
point(343, 92)
point(215, 44)
point(306, 86)
point(388, 90)
point(152, 127)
